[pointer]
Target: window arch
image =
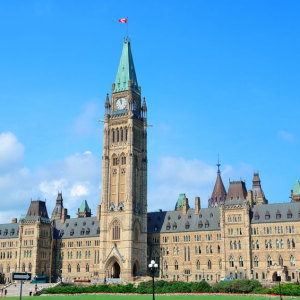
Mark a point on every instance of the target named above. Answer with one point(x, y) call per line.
point(78, 268)
point(118, 135)
point(289, 214)
point(69, 268)
point(241, 262)
point(288, 243)
point(113, 135)
point(256, 261)
point(29, 267)
point(176, 265)
point(280, 261)
point(209, 264)
point(121, 130)
point(231, 262)
point(292, 261)
point(87, 268)
point(198, 265)
point(269, 261)
point(116, 230)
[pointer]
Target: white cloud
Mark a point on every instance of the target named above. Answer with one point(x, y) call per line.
point(174, 175)
point(11, 152)
point(286, 136)
point(76, 176)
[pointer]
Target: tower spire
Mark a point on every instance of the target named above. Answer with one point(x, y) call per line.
point(126, 77)
point(218, 164)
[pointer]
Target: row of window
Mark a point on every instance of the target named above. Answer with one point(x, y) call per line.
point(234, 218)
point(119, 135)
point(78, 254)
point(279, 244)
point(238, 231)
point(278, 215)
point(87, 268)
point(8, 244)
point(277, 230)
point(7, 255)
point(11, 232)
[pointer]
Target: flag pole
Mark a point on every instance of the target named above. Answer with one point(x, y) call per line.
point(127, 27)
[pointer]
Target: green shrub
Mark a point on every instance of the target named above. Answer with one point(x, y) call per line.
point(236, 286)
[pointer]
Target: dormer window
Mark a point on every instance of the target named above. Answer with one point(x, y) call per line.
point(67, 224)
point(267, 215)
point(206, 224)
point(289, 214)
point(278, 215)
point(75, 224)
point(168, 227)
point(98, 230)
point(5, 232)
point(256, 216)
point(169, 217)
point(174, 225)
point(61, 232)
point(87, 231)
point(200, 224)
point(211, 215)
point(72, 232)
point(187, 225)
point(82, 231)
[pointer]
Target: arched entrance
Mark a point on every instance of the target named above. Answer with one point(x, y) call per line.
point(116, 270)
point(275, 277)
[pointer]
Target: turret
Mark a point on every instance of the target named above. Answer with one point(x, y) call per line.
point(57, 211)
point(107, 105)
point(84, 210)
point(144, 108)
point(258, 194)
point(295, 192)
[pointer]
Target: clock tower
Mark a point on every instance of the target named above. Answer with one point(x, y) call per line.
point(123, 217)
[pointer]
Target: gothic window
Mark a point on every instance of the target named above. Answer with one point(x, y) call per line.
point(198, 265)
point(231, 262)
point(235, 245)
point(280, 261)
point(257, 244)
point(189, 256)
point(219, 249)
point(256, 261)
point(121, 134)
point(281, 243)
point(176, 265)
point(209, 265)
point(30, 267)
point(187, 225)
point(270, 244)
point(292, 261)
point(241, 262)
point(113, 136)
point(78, 268)
point(69, 268)
point(253, 245)
point(266, 244)
point(123, 160)
point(293, 243)
point(118, 135)
point(288, 244)
point(240, 245)
point(277, 244)
point(87, 268)
point(231, 245)
point(289, 214)
point(115, 161)
point(269, 261)
point(116, 231)
point(126, 133)
point(174, 225)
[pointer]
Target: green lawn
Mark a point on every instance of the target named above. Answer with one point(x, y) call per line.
point(157, 297)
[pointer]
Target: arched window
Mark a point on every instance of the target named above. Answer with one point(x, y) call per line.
point(116, 231)
point(69, 268)
point(267, 215)
point(23, 268)
point(165, 265)
point(266, 244)
point(292, 261)
point(289, 214)
point(288, 244)
point(78, 268)
point(118, 135)
point(123, 160)
point(281, 243)
point(176, 265)
point(30, 267)
point(256, 261)
point(231, 262)
point(277, 244)
point(257, 244)
point(126, 133)
point(230, 243)
point(121, 134)
point(293, 243)
point(269, 261)
point(235, 245)
point(198, 265)
point(113, 136)
point(209, 265)
point(240, 245)
point(241, 262)
point(200, 224)
point(87, 268)
point(270, 244)
point(219, 249)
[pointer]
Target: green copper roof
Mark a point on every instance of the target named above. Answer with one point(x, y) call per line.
point(126, 70)
point(84, 207)
point(179, 202)
point(296, 189)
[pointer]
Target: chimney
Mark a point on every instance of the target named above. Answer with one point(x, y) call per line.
point(98, 212)
point(64, 215)
point(250, 197)
point(185, 206)
point(197, 205)
point(14, 220)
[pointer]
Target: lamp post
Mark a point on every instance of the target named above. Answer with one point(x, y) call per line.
point(279, 279)
point(153, 266)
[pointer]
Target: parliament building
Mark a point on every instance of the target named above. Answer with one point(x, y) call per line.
point(239, 235)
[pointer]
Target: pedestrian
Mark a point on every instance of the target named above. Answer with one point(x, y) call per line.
point(5, 292)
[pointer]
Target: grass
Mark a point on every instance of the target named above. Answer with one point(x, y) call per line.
point(157, 297)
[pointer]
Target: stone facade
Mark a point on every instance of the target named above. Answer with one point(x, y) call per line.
point(239, 235)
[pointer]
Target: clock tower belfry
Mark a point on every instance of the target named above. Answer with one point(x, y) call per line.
point(123, 217)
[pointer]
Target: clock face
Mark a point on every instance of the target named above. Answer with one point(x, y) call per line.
point(121, 103)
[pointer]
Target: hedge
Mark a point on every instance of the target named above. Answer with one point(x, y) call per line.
point(233, 286)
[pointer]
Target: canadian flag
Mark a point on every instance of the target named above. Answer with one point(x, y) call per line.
point(123, 20)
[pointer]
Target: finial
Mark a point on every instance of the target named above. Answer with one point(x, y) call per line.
point(218, 164)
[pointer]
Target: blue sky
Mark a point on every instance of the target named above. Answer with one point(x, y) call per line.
point(218, 76)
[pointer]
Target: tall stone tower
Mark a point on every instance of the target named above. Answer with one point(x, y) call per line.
point(123, 217)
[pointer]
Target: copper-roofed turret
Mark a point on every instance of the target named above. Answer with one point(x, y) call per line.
point(218, 195)
point(257, 192)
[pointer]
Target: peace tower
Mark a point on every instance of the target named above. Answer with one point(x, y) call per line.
point(123, 216)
